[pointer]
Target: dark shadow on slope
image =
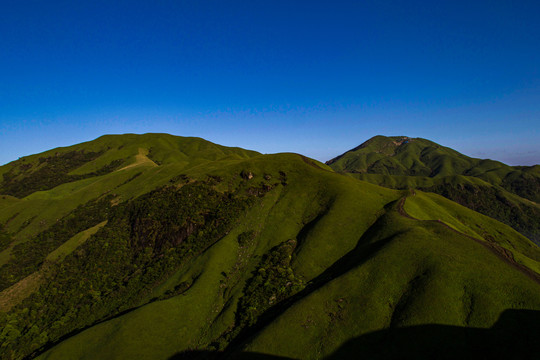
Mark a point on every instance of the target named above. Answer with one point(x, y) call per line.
point(363, 251)
point(215, 355)
point(307, 228)
point(499, 251)
point(516, 335)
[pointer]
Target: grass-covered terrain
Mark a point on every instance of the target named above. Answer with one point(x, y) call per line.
point(188, 249)
point(510, 194)
point(401, 155)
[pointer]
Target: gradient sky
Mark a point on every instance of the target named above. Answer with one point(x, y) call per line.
point(314, 77)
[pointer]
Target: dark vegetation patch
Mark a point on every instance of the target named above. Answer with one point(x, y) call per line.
point(25, 223)
point(136, 175)
point(152, 156)
point(144, 242)
point(248, 183)
point(236, 339)
point(215, 178)
point(181, 178)
point(272, 282)
point(526, 186)
point(28, 256)
point(178, 289)
point(50, 172)
point(5, 238)
point(283, 178)
point(245, 237)
point(246, 175)
point(491, 202)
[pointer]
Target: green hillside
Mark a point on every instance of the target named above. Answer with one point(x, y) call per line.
point(510, 194)
point(401, 155)
point(187, 249)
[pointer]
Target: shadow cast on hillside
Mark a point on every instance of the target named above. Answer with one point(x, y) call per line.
point(363, 251)
point(516, 335)
point(215, 355)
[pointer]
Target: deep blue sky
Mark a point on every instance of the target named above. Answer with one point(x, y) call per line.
point(314, 77)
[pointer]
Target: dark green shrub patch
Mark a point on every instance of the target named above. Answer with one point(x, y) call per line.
point(51, 172)
point(145, 241)
point(526, 186)
point(489, 201)
point(245, 237)
point(273, 281)
point(28, 256)
point(5, 238)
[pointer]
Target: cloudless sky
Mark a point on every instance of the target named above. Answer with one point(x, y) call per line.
point(314, 77)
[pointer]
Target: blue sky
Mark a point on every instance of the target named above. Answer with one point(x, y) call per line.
point(314, 77)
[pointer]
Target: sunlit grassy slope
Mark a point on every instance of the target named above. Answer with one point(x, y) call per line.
point(363, 258)
point(510, 194)
point(407, 273)
point(137, 175)
point(397, 272)
point(400, 155)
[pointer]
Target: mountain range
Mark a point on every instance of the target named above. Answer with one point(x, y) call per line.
point(164, 247)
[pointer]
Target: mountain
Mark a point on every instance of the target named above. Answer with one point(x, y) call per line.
point(510, 194)
point(162, 247)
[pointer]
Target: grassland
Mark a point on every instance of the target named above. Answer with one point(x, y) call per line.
point(508, 194)
point(207, 251)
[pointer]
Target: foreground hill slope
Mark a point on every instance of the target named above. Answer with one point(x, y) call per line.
point(228, 253)
point(509, 194)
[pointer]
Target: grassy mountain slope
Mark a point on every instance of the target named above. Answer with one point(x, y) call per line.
point(395, 276)
point(134, 174)
point(106, 154)
point(401, 155)
point(418, 275)
point(229, 252)
point(509, 194)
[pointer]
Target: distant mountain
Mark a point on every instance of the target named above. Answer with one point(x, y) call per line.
point(105, 155)
point(507, 193)
point(163, 247)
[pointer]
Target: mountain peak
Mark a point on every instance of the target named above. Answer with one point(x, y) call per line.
point(222, 250)
point(381, 144)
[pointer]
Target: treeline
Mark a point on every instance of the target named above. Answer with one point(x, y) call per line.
point(272, 281)
point(28, 256)
point(526, 186)
point(5, 238)
point(145, 240)
point(491, 202)
point(51, 171)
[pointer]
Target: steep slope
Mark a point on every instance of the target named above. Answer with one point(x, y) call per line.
point(38, 190)
point(229, 253)
point(416, 273)
point(509, 194)
point(401, 272)
point(106, 154)
point(401, 155)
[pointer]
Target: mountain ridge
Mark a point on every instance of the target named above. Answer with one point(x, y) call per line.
point(230, 252)
point(508, 193)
